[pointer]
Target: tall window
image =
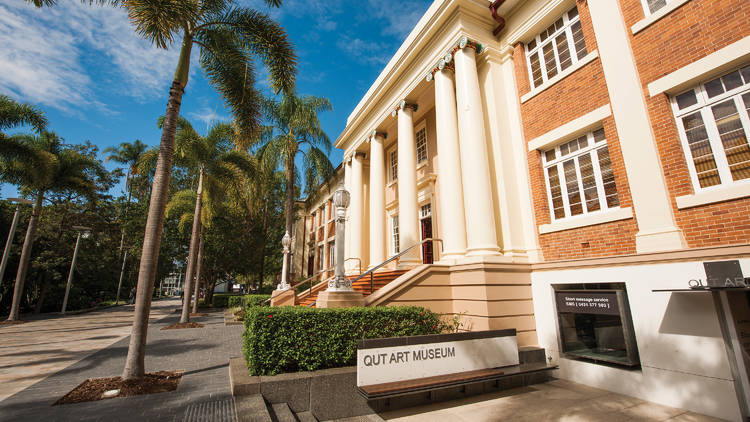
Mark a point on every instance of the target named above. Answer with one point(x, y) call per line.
point(556, 48)
point(394, 165)
point(394, 232)
point(421, 136)
point(714, 121)
point(331, 254)
point(579, 176)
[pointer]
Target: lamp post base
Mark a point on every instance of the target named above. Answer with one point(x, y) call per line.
point(282, 297)
point(345, 299)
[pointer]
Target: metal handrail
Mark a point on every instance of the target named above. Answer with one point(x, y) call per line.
point(398, 255)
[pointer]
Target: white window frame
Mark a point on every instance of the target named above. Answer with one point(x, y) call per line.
point(425, 211)
point(393, 165)
point(421, 127)
point(647, 11)
point(537, 50)
point(703, 106)
point(592, 149)
point(394, 232)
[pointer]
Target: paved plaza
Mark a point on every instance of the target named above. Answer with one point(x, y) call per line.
point(47, 357)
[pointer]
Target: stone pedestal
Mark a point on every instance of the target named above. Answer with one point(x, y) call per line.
point(282, 297)
point(345, 299)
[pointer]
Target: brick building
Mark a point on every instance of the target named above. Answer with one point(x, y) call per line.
point(589, 151)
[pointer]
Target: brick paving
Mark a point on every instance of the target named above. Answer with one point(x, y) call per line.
point(203, 353)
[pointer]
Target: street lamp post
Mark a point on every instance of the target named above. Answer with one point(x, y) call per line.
point(9, 242)
point(285, 242)
point(341, 199)
point(340, 293)
point(84, 232)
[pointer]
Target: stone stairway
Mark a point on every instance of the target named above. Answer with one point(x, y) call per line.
point(380, 279)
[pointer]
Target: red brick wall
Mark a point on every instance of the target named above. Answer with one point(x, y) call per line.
point(581, 92)
point(695, 30)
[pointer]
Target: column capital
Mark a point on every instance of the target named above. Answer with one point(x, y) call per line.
point(376, 134)
point(446, 62)
point(403, 105)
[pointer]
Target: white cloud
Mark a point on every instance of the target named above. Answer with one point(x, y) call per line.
point(68, 55)
point(399, 16)
point(208, 116)
point(363, 51)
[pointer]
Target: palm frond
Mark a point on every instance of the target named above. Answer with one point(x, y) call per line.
point(161, 21)
point(14, 114)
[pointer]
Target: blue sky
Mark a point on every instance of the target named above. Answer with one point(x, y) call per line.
point(96, 80)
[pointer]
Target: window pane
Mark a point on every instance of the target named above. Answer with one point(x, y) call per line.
point(608, 178)
point(555, 192)
point(563, 52)
point(733, 138)
point(732, 80)
point(531, 45)
point(599, 135)
point(700, 150)
point(571, 183)
point(549, 60)
point(746, 74)
point(573, 13)
point(578, 40)
point(588, 180)
point(714, 88)
point(394, 165)
point(549, 155)
point(654, 5)
point(536, 69)
point(687, 99)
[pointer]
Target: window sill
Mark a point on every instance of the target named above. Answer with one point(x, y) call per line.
point(607, 216)
point(391, 183)
point(422, 164)
point(736, 191)
point(664, 11)
point(560, 76)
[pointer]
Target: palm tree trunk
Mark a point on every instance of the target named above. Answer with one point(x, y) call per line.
point(289, 207)
point(23, 264)
point(194, 239)
point(122, 238)
point(135, 363)
point(263, 245)
point(198, 265)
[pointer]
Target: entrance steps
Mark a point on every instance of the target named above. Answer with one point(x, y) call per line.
point(379, 280)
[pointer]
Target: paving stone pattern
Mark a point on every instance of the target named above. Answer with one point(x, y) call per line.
point(203, 353)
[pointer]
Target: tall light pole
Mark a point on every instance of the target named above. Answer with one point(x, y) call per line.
point(9, 242)
point(341, 200)
point(84, 232)
point(285, 242)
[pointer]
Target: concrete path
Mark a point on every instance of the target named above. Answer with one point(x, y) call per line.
point(46, 344)
point(203, 353)
point(556, 400)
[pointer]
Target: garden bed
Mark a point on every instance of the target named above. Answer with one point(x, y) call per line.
point(94, 389)
point(181, 325)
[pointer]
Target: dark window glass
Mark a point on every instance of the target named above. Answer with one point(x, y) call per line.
point(687, 99)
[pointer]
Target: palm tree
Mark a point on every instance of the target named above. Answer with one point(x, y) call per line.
point(14, 114)
point(130, 155)
point(49, 166)
point(218, 166)
point(298, 131)
point(228, 37)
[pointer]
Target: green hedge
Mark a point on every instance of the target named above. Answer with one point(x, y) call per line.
point(221, 300)
point(250, 300)
point(292, 338)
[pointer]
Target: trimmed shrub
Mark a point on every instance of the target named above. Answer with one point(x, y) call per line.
point(250, 300)
point(292, 338)
point(221, 300)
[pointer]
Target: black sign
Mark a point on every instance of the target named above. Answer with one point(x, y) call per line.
point(587, 302)
point(724, 274)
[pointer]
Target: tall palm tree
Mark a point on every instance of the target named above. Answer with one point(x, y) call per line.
point(218, 166)
point(50, 166)
point(14, 114)
point(229, 37)
point(130, 155)
point(297, 130)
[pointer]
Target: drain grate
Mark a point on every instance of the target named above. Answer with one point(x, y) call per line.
point(213, 411)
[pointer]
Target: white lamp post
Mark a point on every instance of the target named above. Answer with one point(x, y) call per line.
point(341, 199)
point(9, 242)
point(285, 242)
point(84, 232)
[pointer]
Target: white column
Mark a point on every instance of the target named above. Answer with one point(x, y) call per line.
point(356, 212)
point(657, 230)
point(452, 217)
point(377, 199)
point(481, 235)
point(348, 227)
point(408, 219)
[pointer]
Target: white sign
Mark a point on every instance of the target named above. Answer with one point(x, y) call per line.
point(399, 363)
